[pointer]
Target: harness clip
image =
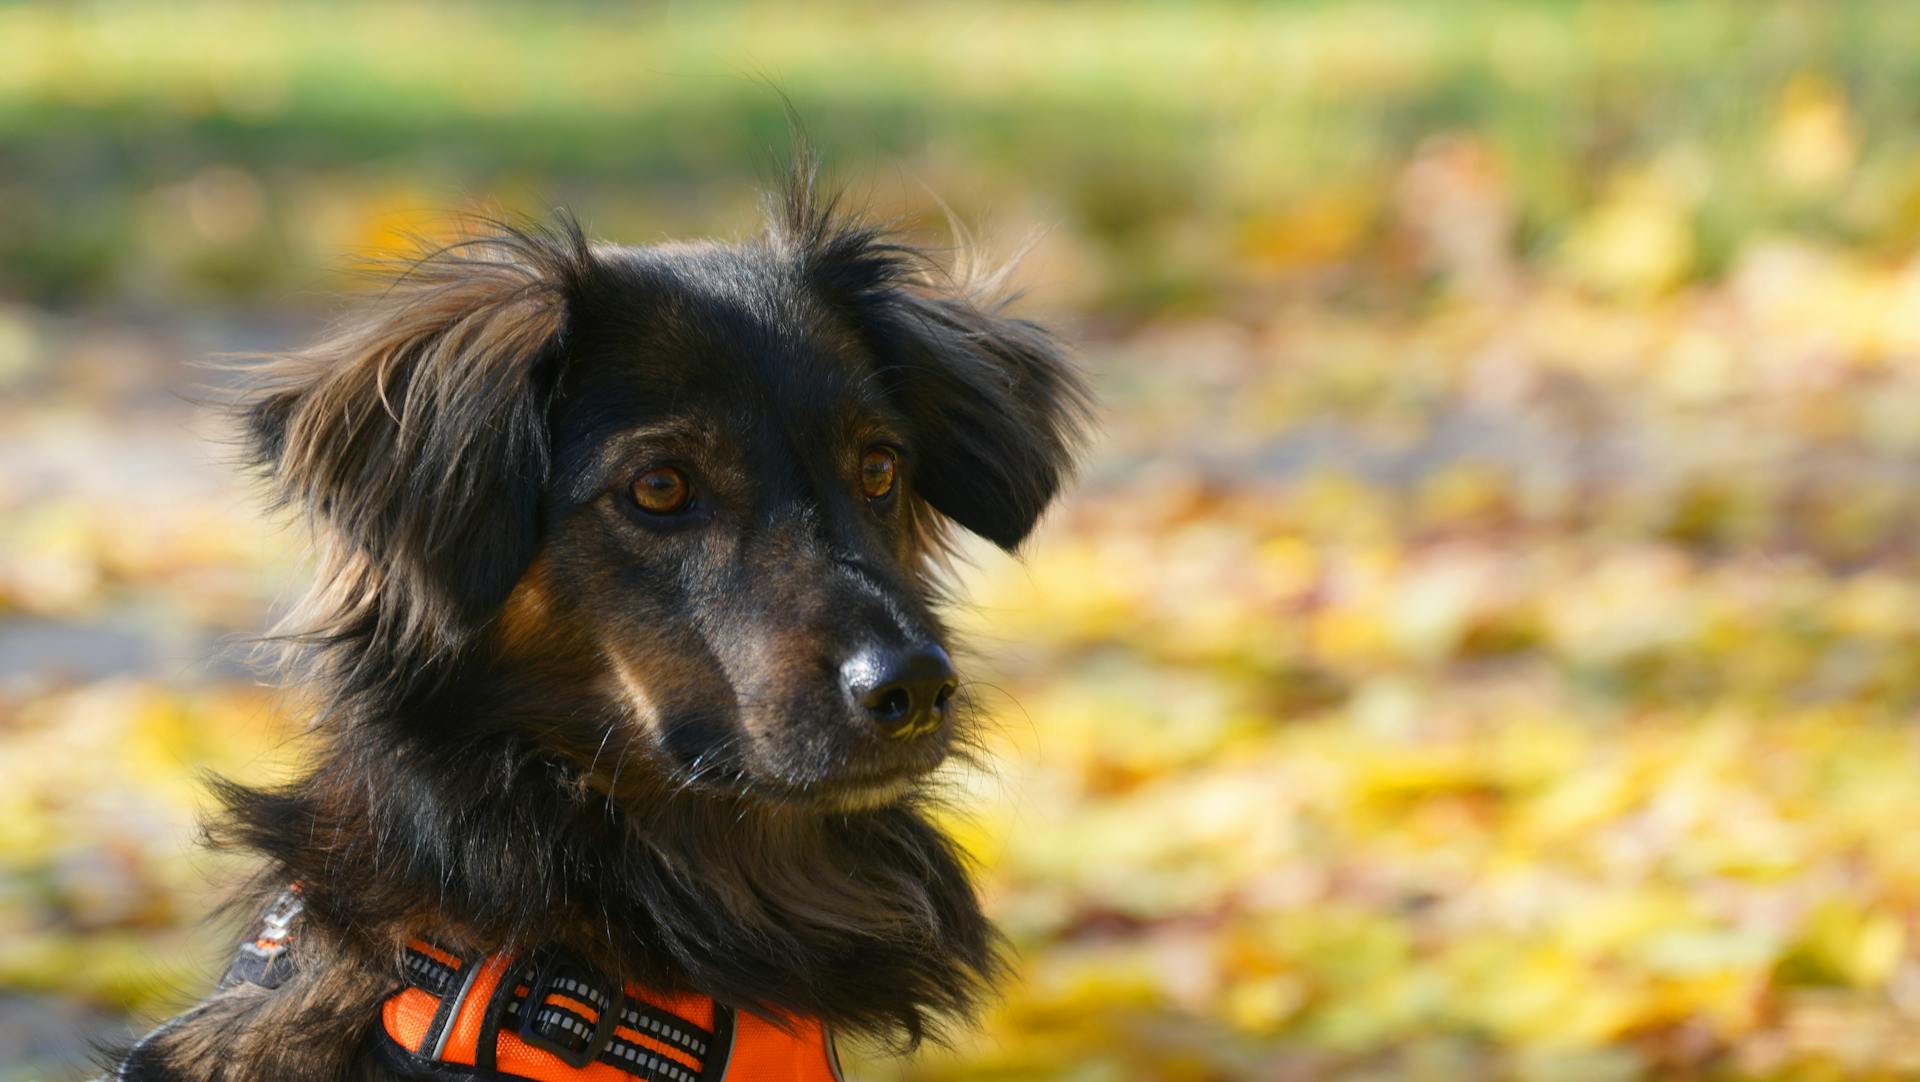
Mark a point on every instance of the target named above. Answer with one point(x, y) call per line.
point(558, 1028)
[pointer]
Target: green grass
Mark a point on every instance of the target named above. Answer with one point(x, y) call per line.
point(1152, 131)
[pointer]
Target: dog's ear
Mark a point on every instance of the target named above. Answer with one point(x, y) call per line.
point(415, 436)
point(999, 411)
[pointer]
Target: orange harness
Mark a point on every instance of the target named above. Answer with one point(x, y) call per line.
point(547, 1017)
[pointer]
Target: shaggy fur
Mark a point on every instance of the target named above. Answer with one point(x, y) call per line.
point(545, 716)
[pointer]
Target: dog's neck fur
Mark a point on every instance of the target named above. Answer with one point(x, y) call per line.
point(444, 818)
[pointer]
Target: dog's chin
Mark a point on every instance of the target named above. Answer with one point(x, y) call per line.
point(868, 796)
point(837, 794)
point(849, 787)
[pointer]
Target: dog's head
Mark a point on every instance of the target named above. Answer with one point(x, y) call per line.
point(680, 501)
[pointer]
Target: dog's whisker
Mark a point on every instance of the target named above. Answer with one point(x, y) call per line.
point(613, 786)
point(605, 736)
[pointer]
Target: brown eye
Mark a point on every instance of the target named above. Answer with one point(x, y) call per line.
point(662, 490)
point(877, 469)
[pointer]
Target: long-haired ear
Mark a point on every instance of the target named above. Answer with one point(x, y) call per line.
point(415, 438)
point(998, 409)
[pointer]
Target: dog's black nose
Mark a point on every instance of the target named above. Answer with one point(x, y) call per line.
point(903, 689)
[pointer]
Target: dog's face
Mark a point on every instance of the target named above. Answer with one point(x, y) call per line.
point(732, 519)
point(700, 485)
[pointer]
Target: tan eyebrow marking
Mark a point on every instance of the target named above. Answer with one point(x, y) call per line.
point(687, 433)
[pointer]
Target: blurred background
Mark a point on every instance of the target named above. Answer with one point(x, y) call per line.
point(1487, 642)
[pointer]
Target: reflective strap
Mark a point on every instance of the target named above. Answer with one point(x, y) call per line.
point(474, 1013)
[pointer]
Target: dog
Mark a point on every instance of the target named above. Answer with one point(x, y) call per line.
point(625, 660)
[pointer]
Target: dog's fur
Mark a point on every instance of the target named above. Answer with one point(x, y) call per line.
point(544, 717)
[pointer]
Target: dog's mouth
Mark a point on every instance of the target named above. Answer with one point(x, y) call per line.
point(852, 786)
point(803, 754)
point(850, 793)
point(863, 793)
point(862, 783)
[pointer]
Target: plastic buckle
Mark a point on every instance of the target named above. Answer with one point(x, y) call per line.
point(561, 974)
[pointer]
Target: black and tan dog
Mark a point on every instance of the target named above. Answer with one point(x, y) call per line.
point(626, 661)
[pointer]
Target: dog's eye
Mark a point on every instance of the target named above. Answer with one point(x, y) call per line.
point(663, 490)
point(877, 468)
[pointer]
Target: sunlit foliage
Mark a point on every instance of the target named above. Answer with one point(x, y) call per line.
point(1487, 642)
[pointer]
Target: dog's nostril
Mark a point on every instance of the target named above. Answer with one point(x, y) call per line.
point(893, 704)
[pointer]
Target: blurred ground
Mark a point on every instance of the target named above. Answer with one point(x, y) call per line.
point(1487, 644)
